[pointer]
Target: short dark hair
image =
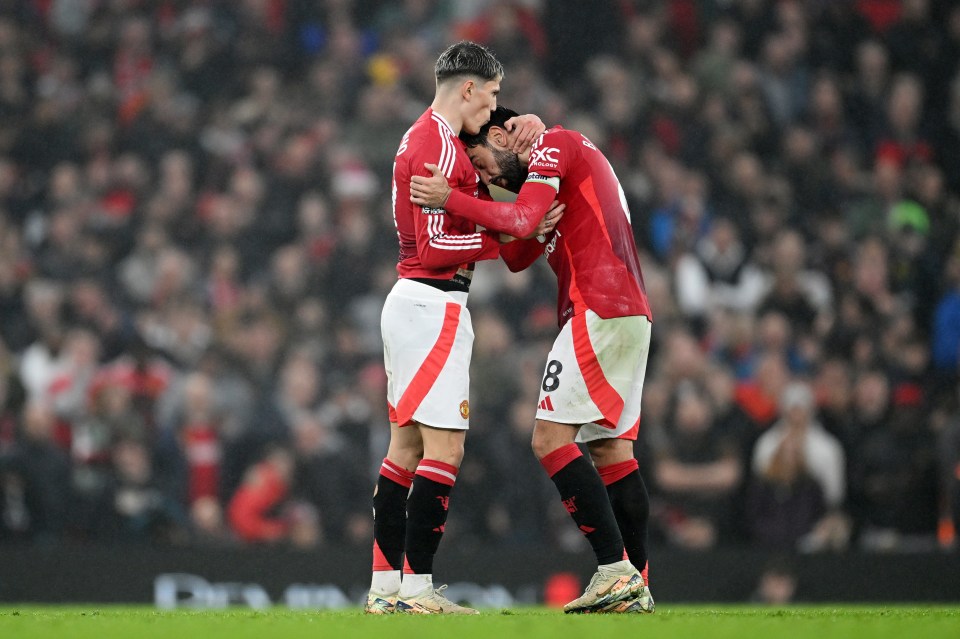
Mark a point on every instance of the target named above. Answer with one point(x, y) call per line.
point(468, 58)
point(498, 118)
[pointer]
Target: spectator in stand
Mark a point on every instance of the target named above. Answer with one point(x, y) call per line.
point(135, 506)
point(760, 395)
point(697, 471)
point(36, 479)
point(833, 389)
point(718, 273)
point(799, 293)
point(328, 485)
point(684, 218)
point(783, 502)
point(799, 484)
point(253, 509)
point(893, 482)
point(190, 452)
point(914, 268)
point(945, 340)
point(111, 417)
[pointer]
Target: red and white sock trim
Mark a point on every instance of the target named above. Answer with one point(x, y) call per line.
point(612, 473)
point(558, 459)
point(438, 471)
point(396, 473)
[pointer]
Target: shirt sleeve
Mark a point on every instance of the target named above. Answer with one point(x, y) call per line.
point(520, 254)
point(440, 244)
point(518, 219)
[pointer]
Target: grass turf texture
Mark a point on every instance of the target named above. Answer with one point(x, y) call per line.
point(669, 622)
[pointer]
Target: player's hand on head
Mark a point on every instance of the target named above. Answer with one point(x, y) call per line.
point(522, 131)
point(550, 219)
point(432, 191)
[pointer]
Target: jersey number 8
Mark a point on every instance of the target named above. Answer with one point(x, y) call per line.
point(551, 381)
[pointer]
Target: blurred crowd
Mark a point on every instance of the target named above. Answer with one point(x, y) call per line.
point(196, 240)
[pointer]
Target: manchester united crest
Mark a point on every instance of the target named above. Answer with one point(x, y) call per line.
point(465, 409)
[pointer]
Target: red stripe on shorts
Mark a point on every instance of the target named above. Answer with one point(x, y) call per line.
point(391, 413)
point(601, 392)
point(429, 371)
point(631, 435)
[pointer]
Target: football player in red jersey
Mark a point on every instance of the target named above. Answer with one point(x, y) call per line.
point(427, 334)
point(594, 374)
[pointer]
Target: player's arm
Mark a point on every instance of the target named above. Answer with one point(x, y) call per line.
point(439, 247)
point(521, 254)
point(519, 218)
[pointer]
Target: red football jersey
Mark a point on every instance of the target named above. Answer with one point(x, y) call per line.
point(433, 243)
point(592, 250)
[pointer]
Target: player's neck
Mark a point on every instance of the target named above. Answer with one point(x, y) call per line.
point(449, 109)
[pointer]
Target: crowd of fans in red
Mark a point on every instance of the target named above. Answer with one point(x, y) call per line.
point(196, 242)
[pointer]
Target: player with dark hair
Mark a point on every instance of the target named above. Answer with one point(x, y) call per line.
point(594, 374)
point(427, 335)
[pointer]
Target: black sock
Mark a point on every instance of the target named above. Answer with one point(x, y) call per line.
point(631, 505)
point(586, 500)
point(390, 516)
point(427, 514)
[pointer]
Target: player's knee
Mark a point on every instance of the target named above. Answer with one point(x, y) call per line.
point(451, 454)
point(454, 453)
point(604, 452)
point(541, 447)
point(444, 446)
point(407, 455)
point(546, 439)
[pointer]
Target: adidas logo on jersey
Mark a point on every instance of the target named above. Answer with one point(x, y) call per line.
point(546, 404)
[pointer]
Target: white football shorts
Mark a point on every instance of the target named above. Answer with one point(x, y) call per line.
point(594, 376)
point(427, 342)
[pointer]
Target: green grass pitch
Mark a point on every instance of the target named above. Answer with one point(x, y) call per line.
point(669, 622)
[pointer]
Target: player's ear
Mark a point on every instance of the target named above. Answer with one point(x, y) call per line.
point(497, 136)
point(467, 89)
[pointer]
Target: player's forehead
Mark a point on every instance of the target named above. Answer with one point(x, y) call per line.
point(491, 86)
point(480, 155)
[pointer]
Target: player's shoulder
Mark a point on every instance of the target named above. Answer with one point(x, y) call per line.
point(415, 149)
point(556, 133)
point(555, 145)
point(559, 138)
point(427, 135)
